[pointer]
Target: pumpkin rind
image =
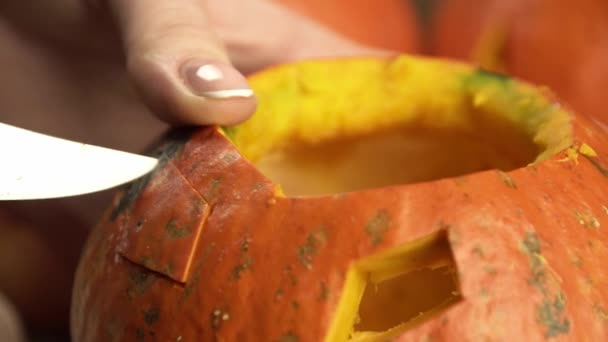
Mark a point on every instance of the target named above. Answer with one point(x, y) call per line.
point(528, 244)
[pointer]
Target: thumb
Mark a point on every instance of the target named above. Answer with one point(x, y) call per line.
point(179, 65)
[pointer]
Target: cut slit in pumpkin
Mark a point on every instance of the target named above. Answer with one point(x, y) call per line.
point(387, 293)
point(398, 122)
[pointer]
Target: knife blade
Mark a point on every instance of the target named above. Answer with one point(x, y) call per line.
point(39, 166)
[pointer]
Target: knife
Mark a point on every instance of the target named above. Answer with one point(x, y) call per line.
point(39, 166)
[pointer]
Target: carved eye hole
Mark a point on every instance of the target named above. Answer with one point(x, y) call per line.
point(387, 293)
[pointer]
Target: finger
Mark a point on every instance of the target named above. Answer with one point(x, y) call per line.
point(179, 65)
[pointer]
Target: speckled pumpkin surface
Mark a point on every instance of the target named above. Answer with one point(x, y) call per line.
point(402, 199)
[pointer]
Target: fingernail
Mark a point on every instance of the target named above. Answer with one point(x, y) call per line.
point(215, 80)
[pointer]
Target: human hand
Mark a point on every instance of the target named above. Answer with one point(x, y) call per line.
point(182, 56)
point(173, 57)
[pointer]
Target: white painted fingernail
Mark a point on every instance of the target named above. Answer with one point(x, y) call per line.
point(215, 80)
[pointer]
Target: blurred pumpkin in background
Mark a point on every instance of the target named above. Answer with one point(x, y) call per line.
point(558, 43)
point(389, 24)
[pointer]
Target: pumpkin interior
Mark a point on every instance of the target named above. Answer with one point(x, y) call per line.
point(335, 126)
point(324, 127)
point(389, 292)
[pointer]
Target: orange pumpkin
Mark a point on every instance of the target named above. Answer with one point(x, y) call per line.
point(389, 24)
point(548, 42)
point(366, 200)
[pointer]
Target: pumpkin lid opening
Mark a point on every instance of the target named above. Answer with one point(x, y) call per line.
point(342, 125)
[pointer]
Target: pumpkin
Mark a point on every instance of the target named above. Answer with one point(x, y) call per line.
point(367, 199)
point(558, 43)
point(390, 24)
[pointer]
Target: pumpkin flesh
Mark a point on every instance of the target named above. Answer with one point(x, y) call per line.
point(329, 142)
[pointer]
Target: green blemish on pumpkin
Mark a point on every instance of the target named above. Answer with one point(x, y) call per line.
point(314, 241)
point(576, 260)
point(531, 243)
point(484, 75)
point(550, 313)
point(170, 269)
point(378, 226)
point(597, 165)
point(139, 282)
point(507, 179)
point(195, 166)
point(214, 187)
point(592, 246)
point(151, 315)
point(230, 157)
point(278, 295)
point(245, 246)
point(532, 248)
point(148, 262)
point(258, 186)
point(324, 291)
point(289, 337)
point(484, 293)
point(131, 194)
point(478, 251)
point(245, 263)
point(292, 278)
point(173, 232)
point(198, 207)
point(218, 317)
point(490, 269)
point(172, 144)
point(295, 305)
point(587, 219)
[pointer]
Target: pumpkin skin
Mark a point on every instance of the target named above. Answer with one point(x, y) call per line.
point(391, 24)
point(558, 43)
point(209, 248)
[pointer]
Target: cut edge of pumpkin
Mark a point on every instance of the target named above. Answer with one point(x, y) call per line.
point(430, 256)
point(319, 101)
